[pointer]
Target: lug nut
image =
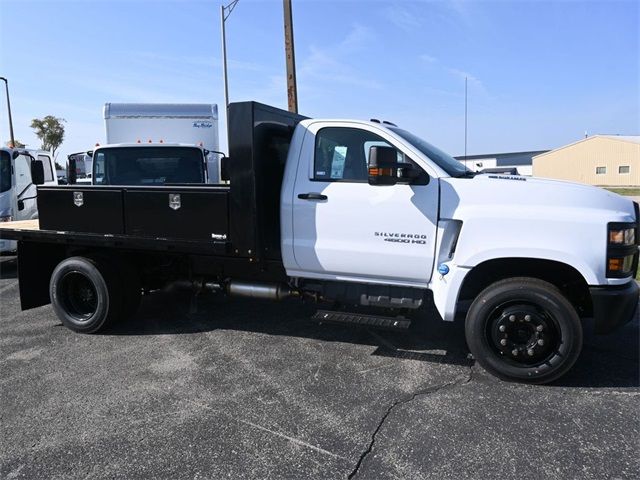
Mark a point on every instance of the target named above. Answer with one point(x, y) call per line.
point(502, 328)
point(530, 352)
point(514, 352)
point(527, 318)
point(541, 342)
point(539, 328)
point(503, 342)
point(512, 318)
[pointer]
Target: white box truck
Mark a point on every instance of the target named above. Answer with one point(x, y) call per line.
point(173, 123)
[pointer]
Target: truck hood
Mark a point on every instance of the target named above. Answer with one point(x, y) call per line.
point(522, 217)
point(521, 197)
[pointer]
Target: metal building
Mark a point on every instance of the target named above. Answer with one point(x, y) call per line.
point(521, 161)
point(605, 160)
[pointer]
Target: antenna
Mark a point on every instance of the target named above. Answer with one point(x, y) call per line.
point(465, 121)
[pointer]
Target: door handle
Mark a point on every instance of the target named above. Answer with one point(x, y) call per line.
point(311, 196)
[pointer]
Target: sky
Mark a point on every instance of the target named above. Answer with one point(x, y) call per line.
point(540, 73)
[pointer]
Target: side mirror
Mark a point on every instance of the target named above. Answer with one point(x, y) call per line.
point(15, 154)
point(37, 172)
point(224, 169)
point(20, 205)
point(72, 174)
point(383, 166)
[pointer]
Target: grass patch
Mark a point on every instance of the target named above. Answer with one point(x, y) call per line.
point(632, 191)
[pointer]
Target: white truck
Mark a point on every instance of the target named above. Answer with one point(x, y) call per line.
point(20, 171)
point(187, 124)
point(364, 218)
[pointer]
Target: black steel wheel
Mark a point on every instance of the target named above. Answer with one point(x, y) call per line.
point(78, 295)
point(85, 294)
point(524, 329)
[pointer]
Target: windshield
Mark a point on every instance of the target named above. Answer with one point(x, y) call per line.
point(445, 161)
point(5, 171)
point(148, 166)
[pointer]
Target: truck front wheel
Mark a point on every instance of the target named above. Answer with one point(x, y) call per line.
point(85, 294)
point(524, 329)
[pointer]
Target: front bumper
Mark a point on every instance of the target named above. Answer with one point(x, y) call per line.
point(614, 306)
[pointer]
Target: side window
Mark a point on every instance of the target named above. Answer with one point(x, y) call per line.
point(99, 168)
point(342, 154)
point(46, 165)
point(23, 173)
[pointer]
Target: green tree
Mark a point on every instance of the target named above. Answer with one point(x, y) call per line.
point(18, 144)
point(59, 166)
point(50, 131)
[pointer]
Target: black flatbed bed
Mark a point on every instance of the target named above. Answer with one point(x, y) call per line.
point(30, 231)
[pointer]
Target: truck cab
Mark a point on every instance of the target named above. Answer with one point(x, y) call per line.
point(20, 171)
point(424, 212)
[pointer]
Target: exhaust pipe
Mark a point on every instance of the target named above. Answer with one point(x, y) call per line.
point(268, 291)
point(193, 285)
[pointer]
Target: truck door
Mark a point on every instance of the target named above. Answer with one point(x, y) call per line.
point(345, 228)
point(49, 169)
point(25, 189)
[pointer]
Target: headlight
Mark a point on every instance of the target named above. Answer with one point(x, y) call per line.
point(622, 250)
point(621, 264)
point(7, 218)
point(622, 236)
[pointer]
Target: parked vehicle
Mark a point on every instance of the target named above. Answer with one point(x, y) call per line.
point(366, 219)
point(20, 171)
point(185, 124)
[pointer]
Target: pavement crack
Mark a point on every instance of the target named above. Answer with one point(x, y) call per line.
point(409, 398)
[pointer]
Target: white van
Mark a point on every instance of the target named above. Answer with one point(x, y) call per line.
point(20, 171)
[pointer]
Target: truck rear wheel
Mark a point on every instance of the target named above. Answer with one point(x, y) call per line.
point(524, 329)
point(85, 294)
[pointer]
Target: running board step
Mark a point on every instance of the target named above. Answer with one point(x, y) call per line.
point(392, 323)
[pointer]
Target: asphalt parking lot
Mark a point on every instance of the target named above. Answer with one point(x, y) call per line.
point(255, 390)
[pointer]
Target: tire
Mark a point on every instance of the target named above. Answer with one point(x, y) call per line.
point(525, 330)
point(86, 295)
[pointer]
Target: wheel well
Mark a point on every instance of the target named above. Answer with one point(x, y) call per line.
point(568, 280)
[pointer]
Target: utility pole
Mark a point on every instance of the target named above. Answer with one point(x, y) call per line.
point(6, 86)
point(224, 14)
point(292, 88)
